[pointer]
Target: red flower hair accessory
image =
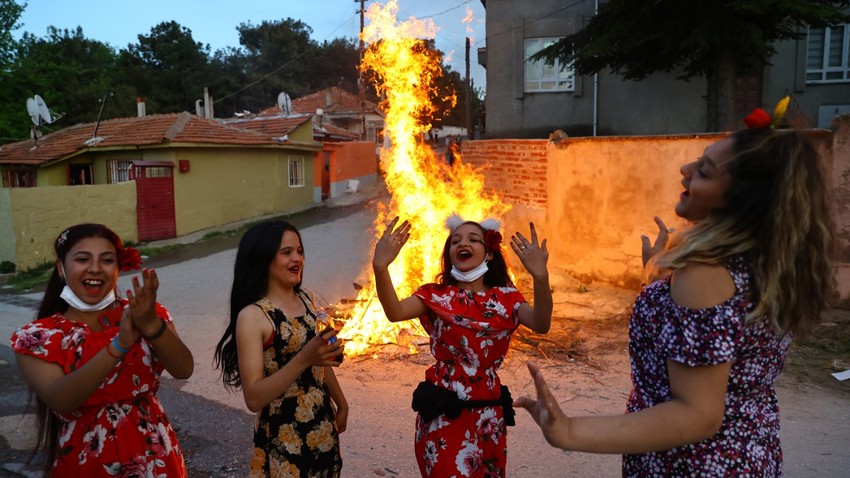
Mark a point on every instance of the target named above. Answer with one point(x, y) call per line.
point(130, 259)
point(759, 118)
point(492, 240)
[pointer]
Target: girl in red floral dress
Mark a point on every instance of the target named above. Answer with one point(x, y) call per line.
point(94, 362)
point(708, 340)
point(470, 314)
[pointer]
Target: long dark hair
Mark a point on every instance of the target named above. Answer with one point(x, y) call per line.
point(51, 303)
point(497, 269)
point(257, 249)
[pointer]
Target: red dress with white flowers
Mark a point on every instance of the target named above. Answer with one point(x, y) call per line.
point(470, 335)
point(122, 429)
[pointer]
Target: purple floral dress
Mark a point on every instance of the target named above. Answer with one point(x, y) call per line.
point(747, 444)
point(470, 335)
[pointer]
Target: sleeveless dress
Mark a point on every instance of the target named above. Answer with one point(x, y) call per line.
point(747, 444)
point(121, 429)
point(295, 435)
point(470, 336)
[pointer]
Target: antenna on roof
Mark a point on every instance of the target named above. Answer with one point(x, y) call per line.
point(284, 102)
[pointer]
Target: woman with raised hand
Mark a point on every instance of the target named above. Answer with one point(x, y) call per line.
point(94, 361)
point(708, 340)
point(470, 314)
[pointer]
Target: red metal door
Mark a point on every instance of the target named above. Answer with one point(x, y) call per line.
point(155, 217)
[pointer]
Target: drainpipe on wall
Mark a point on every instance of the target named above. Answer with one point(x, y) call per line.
point(595, 84)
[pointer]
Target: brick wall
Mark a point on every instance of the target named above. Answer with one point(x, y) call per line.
point(514, 168)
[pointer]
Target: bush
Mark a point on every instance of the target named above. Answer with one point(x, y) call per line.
point(7, 267)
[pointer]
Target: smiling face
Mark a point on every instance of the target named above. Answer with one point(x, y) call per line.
point(288, 264)
point(706, 182)
point(466, 247)
point(91, 269)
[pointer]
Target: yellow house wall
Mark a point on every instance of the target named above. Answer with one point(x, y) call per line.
point(40, 214)
point(7, 235)
point(229, 185)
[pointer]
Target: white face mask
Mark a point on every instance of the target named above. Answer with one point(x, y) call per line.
point(71, 298)
point(471, 275)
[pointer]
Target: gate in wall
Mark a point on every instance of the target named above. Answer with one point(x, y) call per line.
point(155, 216)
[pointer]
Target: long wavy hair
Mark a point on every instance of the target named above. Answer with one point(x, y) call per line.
point(48, 424)
point(497, 269)
point(257, 250)
point(777, 215)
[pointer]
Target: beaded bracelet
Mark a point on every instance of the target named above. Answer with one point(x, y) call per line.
point(116, 357)
point(118, 347)
point(158, 333)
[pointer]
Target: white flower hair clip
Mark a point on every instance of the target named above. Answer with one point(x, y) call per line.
point(489, 224)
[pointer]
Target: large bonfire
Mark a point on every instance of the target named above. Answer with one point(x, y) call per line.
point(423, 188)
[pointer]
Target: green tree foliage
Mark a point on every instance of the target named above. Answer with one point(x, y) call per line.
point(10, 13)
point(168, 68)
point(713, 39)
point(72, 73)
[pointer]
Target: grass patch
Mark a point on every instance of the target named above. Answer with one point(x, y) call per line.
point(32, 278)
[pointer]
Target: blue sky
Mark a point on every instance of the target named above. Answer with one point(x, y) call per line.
point(214, 22)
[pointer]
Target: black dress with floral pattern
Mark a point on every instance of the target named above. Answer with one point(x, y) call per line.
point(295, 435)
point(747, 444)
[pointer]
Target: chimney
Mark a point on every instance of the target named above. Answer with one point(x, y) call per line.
point(319, 118)
point(140, 107)
point(329, 98)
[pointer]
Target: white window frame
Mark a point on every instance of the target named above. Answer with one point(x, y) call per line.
point(821, 66)
point(296, 171)
point(118, 170)
point(540, 77)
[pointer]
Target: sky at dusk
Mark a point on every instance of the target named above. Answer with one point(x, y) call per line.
point(214, 22)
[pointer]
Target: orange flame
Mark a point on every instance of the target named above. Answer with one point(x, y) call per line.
point(423, 188)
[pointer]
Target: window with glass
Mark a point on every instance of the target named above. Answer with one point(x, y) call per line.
point(296, 171)
point(828, 55)
point(540, 76)
point(118, 171)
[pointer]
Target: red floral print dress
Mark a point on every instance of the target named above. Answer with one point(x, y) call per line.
point(747, 444)
point(122, 429)
point(470, 335)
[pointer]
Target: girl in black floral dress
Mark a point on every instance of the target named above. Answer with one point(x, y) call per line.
point(271, 350)
point(708, 340)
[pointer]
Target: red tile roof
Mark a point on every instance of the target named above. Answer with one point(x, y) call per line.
point(333, 100)
point(135, 131)
point(277, 125)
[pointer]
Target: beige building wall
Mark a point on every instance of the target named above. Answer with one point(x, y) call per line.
point(7, 235)
point(229, 185)
point(40, 214)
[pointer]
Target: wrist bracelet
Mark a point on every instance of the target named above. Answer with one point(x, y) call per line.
point(120, 349)
point(158, 333)
point(116, 357)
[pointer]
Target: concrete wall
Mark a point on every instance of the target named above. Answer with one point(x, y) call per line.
point(38, 215)
point(599, 195)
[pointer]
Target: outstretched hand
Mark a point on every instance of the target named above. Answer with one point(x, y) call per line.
point(649, 250)
point(532, 254)
point(390, 243)
point(545, 410)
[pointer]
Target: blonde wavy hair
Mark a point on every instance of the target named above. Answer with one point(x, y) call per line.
point(777, 215)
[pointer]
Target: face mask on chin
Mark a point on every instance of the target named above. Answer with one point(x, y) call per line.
point(472, 275)
point(71, 298)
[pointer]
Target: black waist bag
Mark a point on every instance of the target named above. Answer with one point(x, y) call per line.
point(431, 401)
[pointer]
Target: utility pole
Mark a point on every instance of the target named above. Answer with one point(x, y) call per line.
point(468, 110)
point(361, 88)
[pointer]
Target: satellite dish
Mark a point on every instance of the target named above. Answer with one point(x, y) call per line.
point(284, 102)
point(43, 111)
point(32, 109)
